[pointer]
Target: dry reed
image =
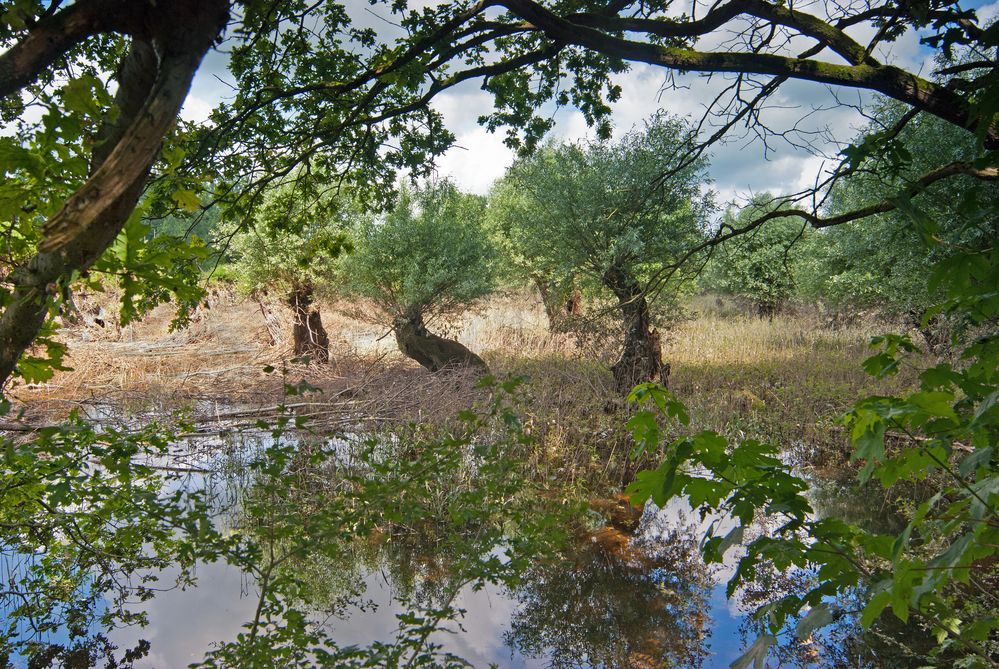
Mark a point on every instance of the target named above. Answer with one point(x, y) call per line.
point(785, 380)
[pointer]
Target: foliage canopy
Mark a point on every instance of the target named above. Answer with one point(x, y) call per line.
point(583, 209)
point(429, 255)
point(760, 265)
point(882, 260)
point(290, 246)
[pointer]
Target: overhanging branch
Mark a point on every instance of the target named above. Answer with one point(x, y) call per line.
point(55, 34)
point(957, 168)
point(888, 80)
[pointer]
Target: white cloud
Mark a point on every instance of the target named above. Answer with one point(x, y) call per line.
point(739, 166)
point(479, 158)
point(461, 106)
point(196, 109)
point(987, 13)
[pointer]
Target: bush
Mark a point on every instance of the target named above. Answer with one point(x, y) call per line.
point(758, 266)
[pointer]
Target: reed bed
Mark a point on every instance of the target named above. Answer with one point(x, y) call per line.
point(786, 380)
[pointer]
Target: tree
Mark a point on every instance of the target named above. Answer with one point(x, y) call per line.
point(333, 95)
point(202, 223)
point(757, 266)
point(292, 251)
point(881, 263)
point(559, 290)
point(101, 151)
point(523, 51)
point(428, 257)
point(589, 210)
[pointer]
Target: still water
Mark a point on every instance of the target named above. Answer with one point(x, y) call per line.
point(613, 600)
point(594, 605)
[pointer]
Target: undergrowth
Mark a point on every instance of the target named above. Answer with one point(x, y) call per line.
point(785, 380)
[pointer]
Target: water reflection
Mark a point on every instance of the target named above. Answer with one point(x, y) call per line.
point(186, 623)
point(613, 597)
point(613, 605)
point(606, 602)
point(646, 602)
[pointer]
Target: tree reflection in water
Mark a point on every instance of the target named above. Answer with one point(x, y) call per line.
point(616, 603)
point(604, 600)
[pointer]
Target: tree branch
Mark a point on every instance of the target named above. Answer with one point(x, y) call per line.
point(77, 235)
point(807, 24)
point(957, 168)
point(891, 81)
point(55, 34)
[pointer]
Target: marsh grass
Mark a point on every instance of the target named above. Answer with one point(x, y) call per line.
point(786, 380)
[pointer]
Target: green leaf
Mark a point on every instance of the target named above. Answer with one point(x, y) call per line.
point(676, 409)
point(186, 199)
point(924, 224)
point(982, 457)
point(935, 403)
point(880, 545)
point(985, 406)
point(645, 431)
point(875, 606)
point(819, 616)
point(652, 484)
point(757, 653)
point(709, 447)
point(881, 365)
point(81, 95)
point(733, 538)
point(702, 491)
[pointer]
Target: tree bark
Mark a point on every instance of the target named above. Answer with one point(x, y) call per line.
point(433, 352)
point(642, 357)
point(154, 79)
point(54, 35)
point(559, 306)
point(309, 335)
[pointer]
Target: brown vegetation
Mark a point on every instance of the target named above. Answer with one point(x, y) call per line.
point(787, 379)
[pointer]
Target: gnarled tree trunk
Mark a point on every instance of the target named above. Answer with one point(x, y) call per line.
point(309, 335)
point(169, 39)
point(560, 306)
point(642, 357)
point(433, 352)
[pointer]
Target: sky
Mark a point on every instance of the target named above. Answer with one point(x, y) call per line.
point(739, 167)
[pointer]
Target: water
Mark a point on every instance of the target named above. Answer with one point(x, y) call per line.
point(607, 601)
point(558, 618)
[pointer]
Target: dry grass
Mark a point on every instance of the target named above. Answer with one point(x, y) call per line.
point(792, 369)
point(785, 380)
point(225, 341)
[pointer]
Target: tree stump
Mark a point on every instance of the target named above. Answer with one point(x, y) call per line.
point(308, 334)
